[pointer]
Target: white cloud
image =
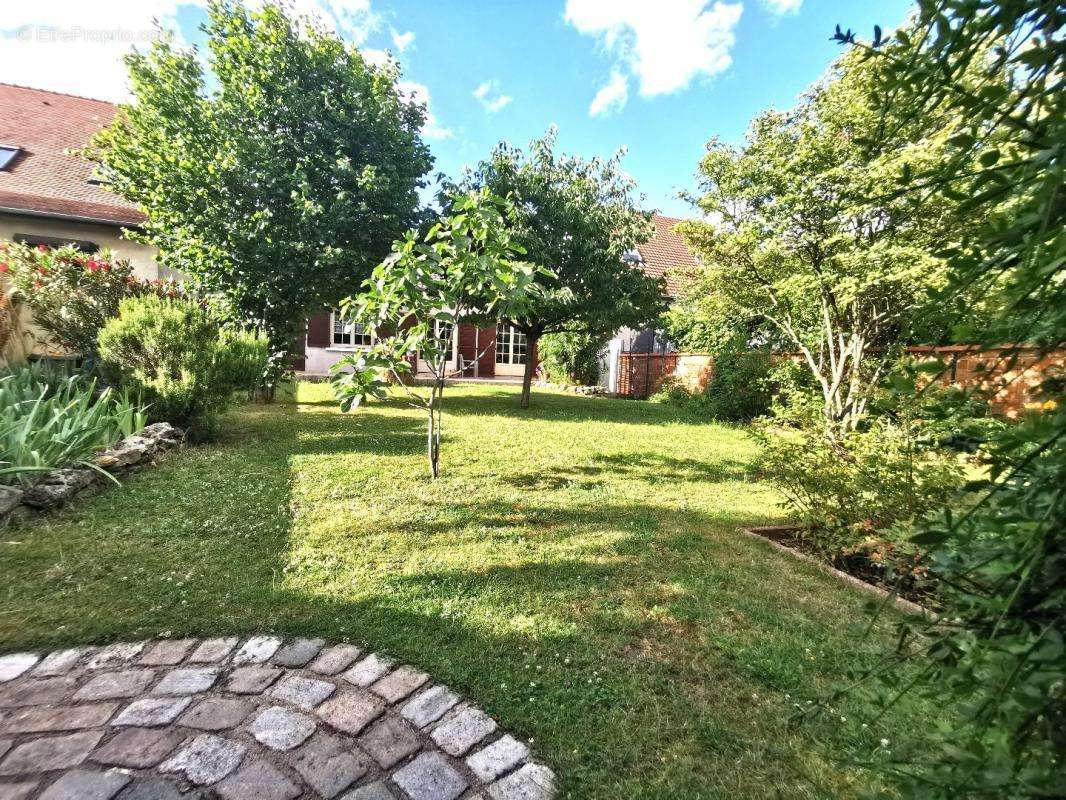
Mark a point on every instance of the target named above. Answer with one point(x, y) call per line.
point(402, 40)
point(77, 47)
point(663, 44)
point(611, 97)
point(490, 96)
point(378, 58)
point(781, 7)
point(418, 93)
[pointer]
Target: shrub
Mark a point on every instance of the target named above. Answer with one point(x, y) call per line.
point(870, 480)
point(245, 356)
point(739, 390)
point(741, 386)
point(71, 294)
point(173, 352)
point(571, 358)
point(50, 420)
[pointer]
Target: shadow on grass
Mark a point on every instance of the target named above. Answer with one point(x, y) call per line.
point(584, 625)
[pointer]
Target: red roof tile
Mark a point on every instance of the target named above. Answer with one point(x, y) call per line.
point(45, 177)
point(665, 252)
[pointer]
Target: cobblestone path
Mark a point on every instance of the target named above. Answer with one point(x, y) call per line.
point(259, 718)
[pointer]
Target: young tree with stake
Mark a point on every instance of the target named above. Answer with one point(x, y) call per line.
point(465, 268)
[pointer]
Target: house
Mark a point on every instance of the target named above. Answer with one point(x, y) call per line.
point(499, 352)
point(47, 193)
point(664, 256)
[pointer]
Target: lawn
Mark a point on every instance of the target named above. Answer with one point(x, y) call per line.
point(577, 570)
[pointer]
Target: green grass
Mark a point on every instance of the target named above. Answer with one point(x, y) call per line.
point(577, 570)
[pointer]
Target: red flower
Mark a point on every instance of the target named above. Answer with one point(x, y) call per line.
point(43, 248)
point(107, 267)
point(37, 284)
point(42, 270)
point(4, 267)
point(92, 265)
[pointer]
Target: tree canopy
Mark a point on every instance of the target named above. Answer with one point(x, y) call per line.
point(803, 248)
point(278, 178)
point(580, 221)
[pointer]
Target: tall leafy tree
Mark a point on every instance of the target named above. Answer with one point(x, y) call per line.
point(995, 658)
point(799, 243)
point(278, 179)
point(578, 220)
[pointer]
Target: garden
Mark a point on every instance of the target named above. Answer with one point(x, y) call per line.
point(582, 566)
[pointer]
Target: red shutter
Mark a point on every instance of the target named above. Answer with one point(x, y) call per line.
point(486, 367)
point(318, 330)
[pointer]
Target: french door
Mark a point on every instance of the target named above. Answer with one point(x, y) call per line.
point(511, 350)
point(446, 332)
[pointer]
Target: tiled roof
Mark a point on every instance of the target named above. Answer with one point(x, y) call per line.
point(45, 177)
point(665, 252)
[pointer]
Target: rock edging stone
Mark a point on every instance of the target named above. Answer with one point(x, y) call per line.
point(59, 486)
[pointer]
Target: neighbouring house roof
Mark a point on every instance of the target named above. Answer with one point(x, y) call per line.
point(665, 252)
point(45, 178)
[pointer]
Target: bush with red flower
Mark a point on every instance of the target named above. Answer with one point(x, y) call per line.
point(71, 294)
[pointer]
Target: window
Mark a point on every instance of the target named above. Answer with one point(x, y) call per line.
point(443, 333)
point(55, 242)
point(349, 334)
point(510, 345)
point(7, 155)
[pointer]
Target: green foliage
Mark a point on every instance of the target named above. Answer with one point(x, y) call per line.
point(71, 294)
point(172, 352)
point(808, 253)
point(571, 358)
point(845, 490)
point(996, 657)
point(741, 384)
point(244, 357)
point(464, 268)
point(577, 220)
point(740, 389)
point(278, 180)
point(50, 420)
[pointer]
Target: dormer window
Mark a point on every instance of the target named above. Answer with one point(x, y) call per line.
point(7, 155)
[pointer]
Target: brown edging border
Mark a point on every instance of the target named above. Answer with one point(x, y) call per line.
point(901, 603)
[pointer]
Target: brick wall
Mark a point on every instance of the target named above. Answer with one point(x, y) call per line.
point(1011, 375)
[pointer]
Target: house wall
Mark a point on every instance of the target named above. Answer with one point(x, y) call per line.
point(141, 257)
point(473, 342)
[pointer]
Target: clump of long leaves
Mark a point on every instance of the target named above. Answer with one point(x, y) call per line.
point(50, 420)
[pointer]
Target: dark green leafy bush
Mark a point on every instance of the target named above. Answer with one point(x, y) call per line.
point(740, 388)
point(570, 358)
point(173, 352)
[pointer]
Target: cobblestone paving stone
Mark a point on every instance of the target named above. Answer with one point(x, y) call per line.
point(241, 719)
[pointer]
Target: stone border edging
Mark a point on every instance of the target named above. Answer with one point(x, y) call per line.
point(58, 486)
point(901, 603)
point(248, 718)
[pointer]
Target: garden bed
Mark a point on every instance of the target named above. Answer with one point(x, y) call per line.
point(857, 570)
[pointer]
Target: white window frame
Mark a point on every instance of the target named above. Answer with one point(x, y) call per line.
point(334, 319)
point(512, 334)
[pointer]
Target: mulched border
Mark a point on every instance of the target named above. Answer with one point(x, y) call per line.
point(765, 533)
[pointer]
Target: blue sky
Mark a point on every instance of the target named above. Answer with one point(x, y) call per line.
point(659, 77)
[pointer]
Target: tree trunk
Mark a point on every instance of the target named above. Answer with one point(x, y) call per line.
point(527, 376)
point(433, 431)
